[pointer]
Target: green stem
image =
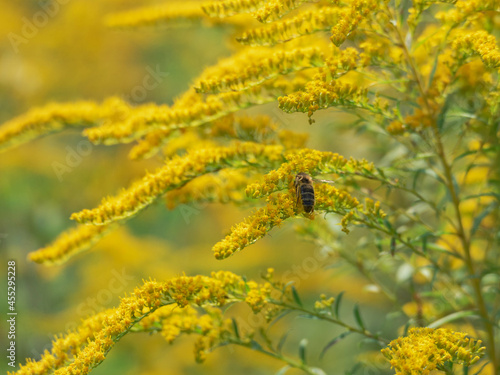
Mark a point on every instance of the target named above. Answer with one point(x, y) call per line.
point(291, 362)
point(330, 319)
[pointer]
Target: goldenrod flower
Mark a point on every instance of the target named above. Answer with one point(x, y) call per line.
point(58, 116)
point(171, 14)
point(81, 350)
point(305, 23)
point(176, 173)
point(162, 119)
point(479, 43)
point(69, 243)
point(223, 187)
point(275, 9)
point(253, 66)
point(279, 207)
point(351, 18)
point(427, 349)
point(227, 8)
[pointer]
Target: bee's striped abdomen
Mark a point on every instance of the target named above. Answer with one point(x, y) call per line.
point(307, 196)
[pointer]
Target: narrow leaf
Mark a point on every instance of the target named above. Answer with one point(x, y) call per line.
point(357, 315)
point(282, 341)
point(481, 216)
point(338, 300)
point(302, 350)
point(296, 296)
point(450, 318)
point(235, 327)
point(333, 342)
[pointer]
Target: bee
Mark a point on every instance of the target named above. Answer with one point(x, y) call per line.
point(305, 191)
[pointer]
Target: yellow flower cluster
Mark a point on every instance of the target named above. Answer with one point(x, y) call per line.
point(320, 95)
point(81, 350)
point(305, 160)
point(279, 207)
point(305, 23)
point(258, 295)
point(425, 350)
point(369, 212)
point(57, 116)
point(210, 326)
point(64, 347)
point(176, 173)
point(254, 66)
point(69, 243)
point(223, 187)
point(324, 304)
point(479, 43)
point(275, 9)
point(171, 14)
point(227, 8)
point(163, 119)
point(467, 10)
point(351, 18)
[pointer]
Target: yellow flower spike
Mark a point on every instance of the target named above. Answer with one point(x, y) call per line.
point(228, 8)
point(320, 95)
point(305, 23)
point(170, 14)
point(177, 172)
point(279, 207)
point(351, 18)
point(59, 116)
point(425, 349)
point(252, 67)
point(276, 9)
point(69, 243)
point(157, 122)
point(478, 43)
point(467, 10)
point(224, 186)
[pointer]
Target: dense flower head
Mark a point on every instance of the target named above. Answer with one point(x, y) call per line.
point(253, 66)
point(69, 243)
point(170, 305)
point(57, 116)
point(305, 23)
point(170, 14)
point(479, 43)
point(428, 349)
point(176, 173)
point(279, 207)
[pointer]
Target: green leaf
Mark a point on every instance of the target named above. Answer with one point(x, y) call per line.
point(278, 318)
point(477, 220)
point(333, 342)
point(256, 346)
point(296, 296)
point(357, 315)
point(302, 350)
point(236, 330)
point(452, 317)
point(282, 341)
point(338, 300)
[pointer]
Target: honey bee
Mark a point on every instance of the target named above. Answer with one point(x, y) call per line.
point(305, 191)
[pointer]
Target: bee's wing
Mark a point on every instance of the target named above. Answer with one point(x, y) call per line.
point(324, 181)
